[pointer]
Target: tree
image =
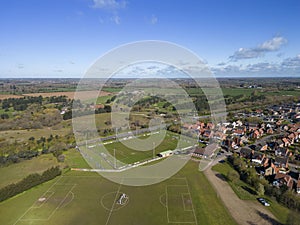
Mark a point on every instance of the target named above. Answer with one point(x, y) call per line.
point(4, 116)
point(31, 139)
point(260, 189)
point(233, 176)
point(236, 162)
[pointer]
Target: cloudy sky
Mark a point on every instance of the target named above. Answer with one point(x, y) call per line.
point(62, 38)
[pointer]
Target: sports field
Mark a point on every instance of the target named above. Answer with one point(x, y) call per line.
point(125, 154)
point(87, 198)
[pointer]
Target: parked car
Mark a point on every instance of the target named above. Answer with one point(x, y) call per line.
point(263, 201)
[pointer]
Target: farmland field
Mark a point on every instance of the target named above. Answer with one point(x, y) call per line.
point(84, 95)
point(87, 198)
point(4, 96)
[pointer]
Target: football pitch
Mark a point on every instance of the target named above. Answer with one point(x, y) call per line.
point(104, 152)
point(87, 198)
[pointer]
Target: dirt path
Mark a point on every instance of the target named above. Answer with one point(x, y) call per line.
point(243, 211)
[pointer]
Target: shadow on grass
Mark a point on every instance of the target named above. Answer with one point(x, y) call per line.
point(268, 218)
point(249, 190)
point(220, 176)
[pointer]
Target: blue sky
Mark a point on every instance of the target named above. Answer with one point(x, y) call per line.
point(62, 38)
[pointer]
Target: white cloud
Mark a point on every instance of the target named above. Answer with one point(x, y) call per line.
point(112, 7)
point(268, 46)
point(246, 53)
point(292, 63)
point(288, 66)
point(109, 4)
point(273, 44)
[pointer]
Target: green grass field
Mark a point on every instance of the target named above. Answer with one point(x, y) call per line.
point(102, 120)
point(87, 198)
point(126, 154)
point(112, 89)
point(243, 91)
point(103, 99)
point(226, 91)
point(295, 93)
point(74, 159)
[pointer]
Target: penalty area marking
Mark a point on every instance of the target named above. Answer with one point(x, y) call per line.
point(68, 202)
point(42, 200)
point(35, 202)
point(186, 201)
point(187, 193)
point(61, 203)
point(164, 203)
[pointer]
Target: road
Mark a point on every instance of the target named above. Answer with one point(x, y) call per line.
point(246, 212)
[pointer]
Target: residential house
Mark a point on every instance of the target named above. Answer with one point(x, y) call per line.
point(238, 132)
point(282, 152)
point(281, 162)
point(270, 130)
point(291, 138)
point(286, 142)
point(206, 152)
point(269, 167)
point(251, 154)
point(262, 146)
point(283, 179)
point(256, 134)
point(279, 143)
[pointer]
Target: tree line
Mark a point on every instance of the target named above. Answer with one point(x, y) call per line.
point(20, 104)
point(28, 182)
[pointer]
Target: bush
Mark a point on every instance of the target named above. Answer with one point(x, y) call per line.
point(260, 189)
point(233, 176)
